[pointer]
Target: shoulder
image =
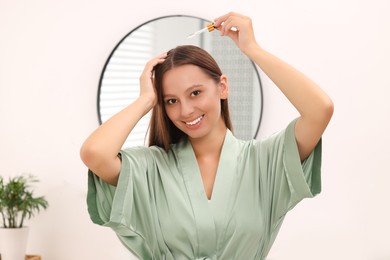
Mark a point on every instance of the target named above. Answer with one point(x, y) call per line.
point(136, 151)
point(149, 155)
point(242, 148)
point(278, 139)
point(144, 151)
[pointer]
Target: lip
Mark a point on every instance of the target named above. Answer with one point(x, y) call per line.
point(194, 122)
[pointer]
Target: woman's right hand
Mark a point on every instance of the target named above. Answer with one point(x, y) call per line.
point(146, 78)
point(100, 150)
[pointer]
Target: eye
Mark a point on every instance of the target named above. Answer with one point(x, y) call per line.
point(171, 101)
point(195, 93)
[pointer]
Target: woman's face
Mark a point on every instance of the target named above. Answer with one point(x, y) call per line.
point(192, 100)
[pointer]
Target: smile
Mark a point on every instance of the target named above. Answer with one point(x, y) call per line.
point(195, 121)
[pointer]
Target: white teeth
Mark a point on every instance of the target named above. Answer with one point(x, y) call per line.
point(195, 121)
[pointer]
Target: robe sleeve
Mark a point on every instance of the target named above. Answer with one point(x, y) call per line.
point(284, 180)
point(126, 208)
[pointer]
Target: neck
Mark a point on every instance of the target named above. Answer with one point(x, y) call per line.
point(210, 144)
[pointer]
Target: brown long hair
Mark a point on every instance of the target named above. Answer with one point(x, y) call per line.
point(162, 131)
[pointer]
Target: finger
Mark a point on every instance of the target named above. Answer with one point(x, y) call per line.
point(228, 25)
point(153, 62)
point(162, 55)
point(159, 59)
point(221, 19)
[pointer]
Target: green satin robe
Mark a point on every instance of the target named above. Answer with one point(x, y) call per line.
point(159, 209)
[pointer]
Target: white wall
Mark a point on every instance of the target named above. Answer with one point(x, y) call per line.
point(51, 57)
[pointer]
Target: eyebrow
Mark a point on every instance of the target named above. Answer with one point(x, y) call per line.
point(190, 89)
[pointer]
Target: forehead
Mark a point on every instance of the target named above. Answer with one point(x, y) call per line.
point(184, 74)
point(185, 71)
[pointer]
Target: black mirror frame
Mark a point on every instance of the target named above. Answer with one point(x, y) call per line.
point(158, 18)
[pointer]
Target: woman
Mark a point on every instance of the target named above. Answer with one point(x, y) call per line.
point(197, 192)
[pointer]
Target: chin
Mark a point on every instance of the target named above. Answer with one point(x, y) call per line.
point(194, 133)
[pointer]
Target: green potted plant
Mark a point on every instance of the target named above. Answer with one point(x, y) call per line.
point(17, 204)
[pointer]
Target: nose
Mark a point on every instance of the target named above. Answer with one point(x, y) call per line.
point(187, 109)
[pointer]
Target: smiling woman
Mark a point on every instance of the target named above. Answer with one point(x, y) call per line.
point(194, 92)
point(119, 82)
point(198, 192)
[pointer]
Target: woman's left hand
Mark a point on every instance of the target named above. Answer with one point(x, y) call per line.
point(313, 104)
point(244, 36)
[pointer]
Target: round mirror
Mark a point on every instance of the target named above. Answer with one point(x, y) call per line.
point(119, 81)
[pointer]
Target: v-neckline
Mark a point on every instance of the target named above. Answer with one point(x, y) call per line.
point(227, 163)
point(218, 169)
point(210, 213)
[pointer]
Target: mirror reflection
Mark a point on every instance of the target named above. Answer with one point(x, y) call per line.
point(119, 82)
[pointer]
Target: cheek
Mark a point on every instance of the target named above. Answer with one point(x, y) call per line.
point(213, 103)
point(170, 111)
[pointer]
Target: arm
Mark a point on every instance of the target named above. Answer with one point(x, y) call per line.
point(100, 150)
point(314, 106)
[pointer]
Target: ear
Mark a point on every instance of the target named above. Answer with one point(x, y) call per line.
point(223, 87)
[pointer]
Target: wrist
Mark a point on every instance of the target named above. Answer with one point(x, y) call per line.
point(147, 102)
point(252, 50)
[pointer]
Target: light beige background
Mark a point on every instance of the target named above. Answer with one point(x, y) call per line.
point(51, 57)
